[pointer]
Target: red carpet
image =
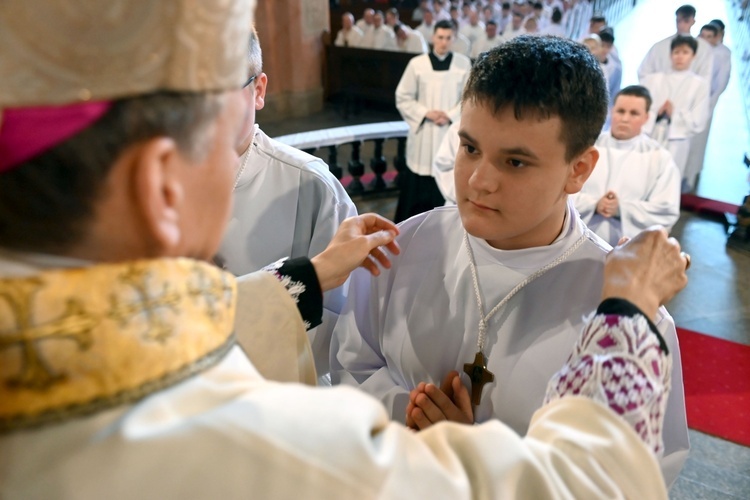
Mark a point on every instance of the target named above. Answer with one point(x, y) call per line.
point(705, 205)
point(716, 374)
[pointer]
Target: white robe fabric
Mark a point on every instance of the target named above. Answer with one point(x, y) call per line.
point(427, 31)
point(483, 44)
point(228, 433)
point(419, 320)
point(461, 45)
point(414, 43)
point(286, 204)
point(473, 32)
point(689, 94)
point(420, 90)
point(719, 82)
point(645, 179)
point(658, 59)
point(381, 38)
point(351, 38)
point(445, 163)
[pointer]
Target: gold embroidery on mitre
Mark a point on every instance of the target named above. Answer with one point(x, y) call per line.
point(76, 341)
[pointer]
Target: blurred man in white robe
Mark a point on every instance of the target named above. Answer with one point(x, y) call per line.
point(286, 204)
point(349, 35)
point(366, 23)
point(380, 36)
point(473, 28)
point(682, 99)
point(713, 33)
point(658, 59)
point(636, 183)
point(427, 26)
point(428, 97)
point(490, 39)
point(409, 40)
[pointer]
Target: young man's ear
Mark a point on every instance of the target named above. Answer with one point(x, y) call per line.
point(261, 83)
point(583, 165)
point(159, 192)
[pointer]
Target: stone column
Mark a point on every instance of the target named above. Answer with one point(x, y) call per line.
point(290, 34)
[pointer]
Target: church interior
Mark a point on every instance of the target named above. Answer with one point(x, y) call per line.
point(311, 105)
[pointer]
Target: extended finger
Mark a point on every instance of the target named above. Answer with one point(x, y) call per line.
point(374, 222)
point(427, 402)
point(382, 258)
point(447, 409)
point(420, 419)
point(371, 266)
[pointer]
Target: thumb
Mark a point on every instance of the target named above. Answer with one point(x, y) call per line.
point(380, 238)
point(462, 399)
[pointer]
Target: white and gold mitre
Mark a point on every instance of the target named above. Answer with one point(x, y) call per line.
point(59, 52)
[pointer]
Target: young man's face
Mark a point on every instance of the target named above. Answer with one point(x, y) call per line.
point(511, 177)
point(710, 37)
point(684, 24)
point(682, 57)
point(629, 114)
point(441, 41)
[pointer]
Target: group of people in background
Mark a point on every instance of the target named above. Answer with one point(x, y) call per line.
point(658, 128)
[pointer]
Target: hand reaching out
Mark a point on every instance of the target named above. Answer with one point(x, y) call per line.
point(429, 404)
point(357, 243)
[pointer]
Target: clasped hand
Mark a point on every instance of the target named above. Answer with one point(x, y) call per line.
point(430, 404)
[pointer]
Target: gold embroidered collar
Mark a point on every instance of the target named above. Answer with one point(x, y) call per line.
point(76, 341)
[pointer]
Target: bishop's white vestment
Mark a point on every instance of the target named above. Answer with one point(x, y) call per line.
point(422, 89)
point(286, 204)
point(124, 404)
point(645, 179)
point(419, 320)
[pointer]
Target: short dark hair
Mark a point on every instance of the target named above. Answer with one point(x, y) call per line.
point(680, 40)
point(598, 18)
point(710, 27)
point(607, 35)
point(685, 11)
point(542, 77)
point(718, 23)
point(443, 24)
point(47, 203)
point(538, 6)
point(492, 22)
point(637, 91)
point(506, 5)
point(556, 15)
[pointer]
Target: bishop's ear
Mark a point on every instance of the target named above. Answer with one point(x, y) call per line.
point(160, 193)
point(582, 167)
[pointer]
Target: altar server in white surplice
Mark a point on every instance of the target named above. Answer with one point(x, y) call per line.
point(635, 184)
point(713, 33)
point(683, 98)
point(428, 98)
point(121, 374)
point(349, 35)
point(379, 36)
point(496, 288)
point(658, 59)
point(286, 204)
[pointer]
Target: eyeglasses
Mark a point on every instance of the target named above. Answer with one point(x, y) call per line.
point(249, 81)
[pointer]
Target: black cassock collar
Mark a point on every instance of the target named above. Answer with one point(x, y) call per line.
point(438, 65)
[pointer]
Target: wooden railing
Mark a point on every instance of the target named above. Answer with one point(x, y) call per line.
point(374, 140)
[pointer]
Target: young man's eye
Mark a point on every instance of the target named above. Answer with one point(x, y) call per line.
point(469, 149)
point(516, 163)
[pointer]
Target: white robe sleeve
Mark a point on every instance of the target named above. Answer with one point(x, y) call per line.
point(585, 202)
point(356, 355)
point(339, 42)
point(407, 102)
point(693, 118)
point(661, 205)
point(722, 71)
point(650, 63)
point(444, 163)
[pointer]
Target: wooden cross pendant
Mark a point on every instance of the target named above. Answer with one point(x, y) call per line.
point(479, 375)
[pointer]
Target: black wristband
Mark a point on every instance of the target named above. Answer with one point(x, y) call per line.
point(622, 307)
point(309, 302)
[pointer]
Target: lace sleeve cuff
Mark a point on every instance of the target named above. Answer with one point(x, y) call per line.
point(300, 280)
point(619, 362)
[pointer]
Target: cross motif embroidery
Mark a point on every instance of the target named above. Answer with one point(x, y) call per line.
point(213, 292)
point(147, 303)
point(74, 324)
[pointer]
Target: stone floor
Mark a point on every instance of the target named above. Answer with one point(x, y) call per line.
point(717, 299)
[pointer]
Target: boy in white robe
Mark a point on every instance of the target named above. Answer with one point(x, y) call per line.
point(514, 230)
point(713, 33)
point(636, 183)
point(682, 98)
point(658, 59)
point(428, 98)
